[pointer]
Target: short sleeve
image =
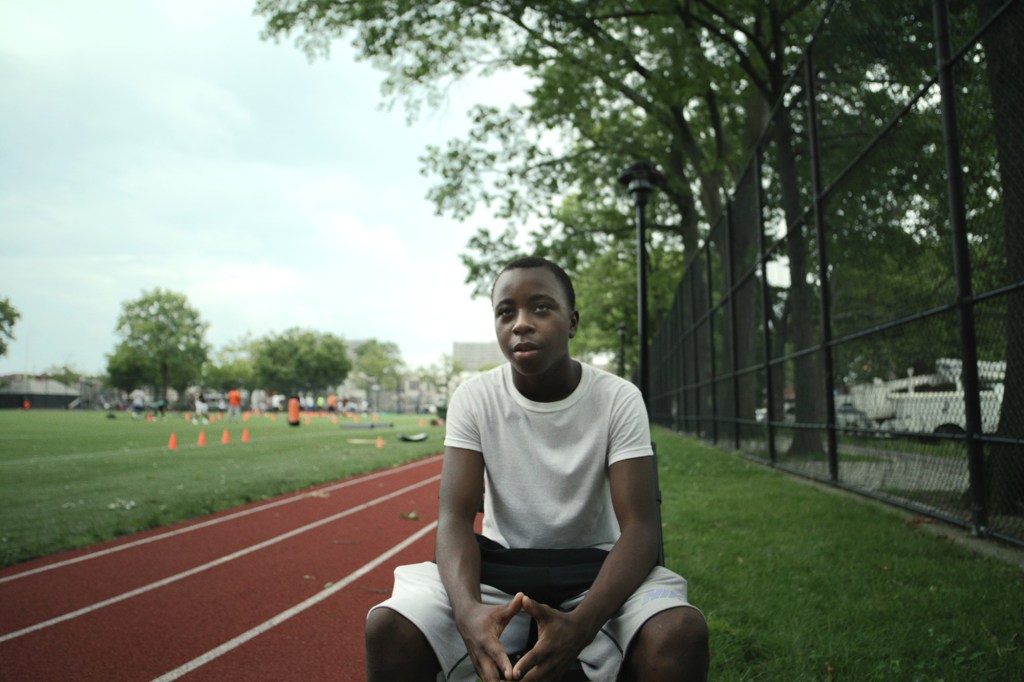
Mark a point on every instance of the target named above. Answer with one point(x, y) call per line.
point(461, 425)
point(630, 432)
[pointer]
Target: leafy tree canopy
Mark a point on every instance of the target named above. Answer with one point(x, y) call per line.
point(377, 362)
point(162, 343)
point(300, 360)
point(232, 366)
point(8, 316)
point(612, 84)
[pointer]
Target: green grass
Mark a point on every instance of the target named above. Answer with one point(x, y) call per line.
point(797, 583)
point(69, 479)
point(802, 584)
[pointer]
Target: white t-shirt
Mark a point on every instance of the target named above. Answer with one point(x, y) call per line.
point(546, 464)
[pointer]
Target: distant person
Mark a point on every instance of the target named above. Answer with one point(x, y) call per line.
point(159, 408)
point(202, 411)
point(560, 453)
point(138, 398)
point(234, 405)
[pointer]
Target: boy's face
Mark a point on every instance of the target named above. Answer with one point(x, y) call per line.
point(532, 319)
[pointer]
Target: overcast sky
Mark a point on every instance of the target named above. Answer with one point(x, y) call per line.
point(161, 143)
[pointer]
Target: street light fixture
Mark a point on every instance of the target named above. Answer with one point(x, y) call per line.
point(640, 180)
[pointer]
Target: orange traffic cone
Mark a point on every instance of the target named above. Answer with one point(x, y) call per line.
point(225, 437)
point(308, 421)
point(421, 422)
point(245, 435)
point(202, 439)
point(355, 419)
point(172, 444)
point(380, 441)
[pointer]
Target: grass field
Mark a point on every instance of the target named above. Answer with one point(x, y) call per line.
point(797, 583)
point(69, 479)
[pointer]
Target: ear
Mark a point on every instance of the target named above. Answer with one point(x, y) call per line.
point(574, 323)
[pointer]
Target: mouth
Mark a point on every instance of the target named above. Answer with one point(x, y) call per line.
point(524, 350)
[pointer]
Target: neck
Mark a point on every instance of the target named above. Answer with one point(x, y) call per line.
point(556, 384)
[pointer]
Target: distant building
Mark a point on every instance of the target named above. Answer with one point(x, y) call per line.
point(473, 357)
point(15, 389)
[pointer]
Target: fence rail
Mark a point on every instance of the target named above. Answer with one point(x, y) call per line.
point(856, 315)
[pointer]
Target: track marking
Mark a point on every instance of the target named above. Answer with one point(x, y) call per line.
point(221, 519)
point(241, 639)
point(211, 564)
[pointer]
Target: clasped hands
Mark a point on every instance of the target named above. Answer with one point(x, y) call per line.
point(560, 638)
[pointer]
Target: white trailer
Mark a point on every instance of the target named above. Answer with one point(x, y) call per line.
point(932, 403)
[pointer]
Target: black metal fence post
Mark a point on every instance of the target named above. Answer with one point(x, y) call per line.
point(826, 293)
point(640, 179)
point(978, 488)
point(734, 354)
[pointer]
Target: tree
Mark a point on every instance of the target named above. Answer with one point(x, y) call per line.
point(441, 375)
point(300, 360)
point(377, 364)
point(613, 83)
point(8, 316)
point(162, 343)
point(232, 366)
point(66, 374)
point(127, 368)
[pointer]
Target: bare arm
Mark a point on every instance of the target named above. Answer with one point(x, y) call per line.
point(563, 636)
point(458, 562)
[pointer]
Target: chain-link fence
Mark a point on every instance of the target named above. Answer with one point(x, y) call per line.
point(857, 314)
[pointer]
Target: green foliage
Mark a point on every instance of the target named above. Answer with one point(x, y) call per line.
point(66, 374)
point(610, 84)
point(232, 366)
point(162, 343)
point(299, 359)
point(440, 375)
point(8, 316)
point(378, 363)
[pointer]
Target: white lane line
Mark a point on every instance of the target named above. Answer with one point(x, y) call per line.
point(293, 611)
point(213, 522)
point(211, 564)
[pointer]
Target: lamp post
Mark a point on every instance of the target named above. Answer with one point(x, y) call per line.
point(622, 349)
point(640, 179)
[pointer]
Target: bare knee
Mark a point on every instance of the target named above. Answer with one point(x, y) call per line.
point(672, 645)
point(396, 649)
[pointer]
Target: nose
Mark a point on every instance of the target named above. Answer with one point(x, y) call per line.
point(522, 323)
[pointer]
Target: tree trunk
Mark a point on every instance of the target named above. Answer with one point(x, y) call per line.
point(808, 379)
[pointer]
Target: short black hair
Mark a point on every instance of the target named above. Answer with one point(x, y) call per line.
point(538, 262)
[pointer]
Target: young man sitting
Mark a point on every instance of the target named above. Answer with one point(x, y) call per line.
point(561, 453)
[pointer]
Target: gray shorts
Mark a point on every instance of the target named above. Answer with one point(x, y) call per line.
point(419, 595)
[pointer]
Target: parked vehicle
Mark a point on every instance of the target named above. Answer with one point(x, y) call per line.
point(931, 403)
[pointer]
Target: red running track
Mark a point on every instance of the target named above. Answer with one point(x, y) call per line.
point(275, 590)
